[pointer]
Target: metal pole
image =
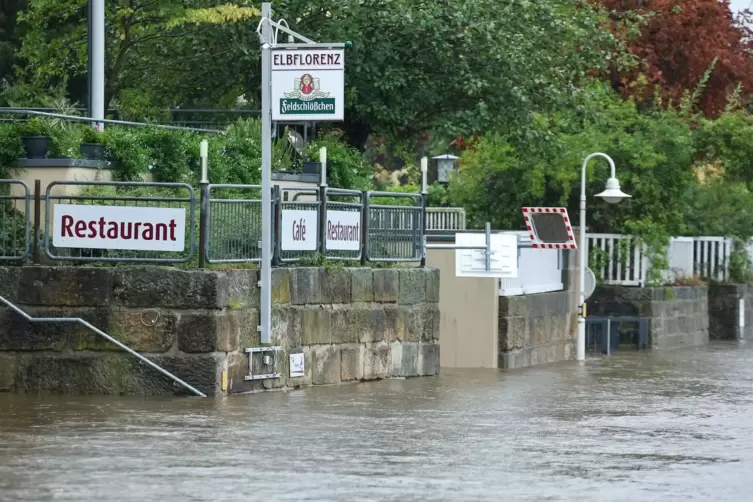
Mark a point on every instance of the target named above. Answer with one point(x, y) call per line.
point(582, 253)
point(75, 118)
point(741, 318)
point(204, 204)
point(488, 249)
point(97, 59)
point(424, 193)
point(265, 273)
point(323, 201)
point(37, 219)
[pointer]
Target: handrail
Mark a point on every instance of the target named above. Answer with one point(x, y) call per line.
point(103, 335)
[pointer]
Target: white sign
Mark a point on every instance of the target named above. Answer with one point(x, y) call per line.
point(297, 368)
point(343, 230)
point(299, 230)
point(119, 227)
point(308, 84)
point(472, 262)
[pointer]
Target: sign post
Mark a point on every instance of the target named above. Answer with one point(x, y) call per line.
point(300, 82)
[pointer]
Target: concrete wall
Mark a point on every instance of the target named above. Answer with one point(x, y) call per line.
point(351, 324)
point(679, 316)
point(724, 311)
point(468, 311)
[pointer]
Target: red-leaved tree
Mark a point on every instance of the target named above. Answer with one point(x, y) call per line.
point(678, 45)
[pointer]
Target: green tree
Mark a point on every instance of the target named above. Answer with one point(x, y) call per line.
point(457, 67)
point(139, 36)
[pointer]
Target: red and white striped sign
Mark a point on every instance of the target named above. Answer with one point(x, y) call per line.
point(537, 242)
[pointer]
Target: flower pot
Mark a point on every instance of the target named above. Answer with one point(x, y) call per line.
point(36, 147)
point(92, 151)
point(311, 167)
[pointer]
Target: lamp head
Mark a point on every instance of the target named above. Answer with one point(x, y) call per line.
point(613, 194)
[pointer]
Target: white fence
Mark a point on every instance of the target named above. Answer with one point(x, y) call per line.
point(539, 270)
point(445, 218)
point(621, 259)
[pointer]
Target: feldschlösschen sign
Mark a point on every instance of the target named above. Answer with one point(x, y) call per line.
point(308, 85)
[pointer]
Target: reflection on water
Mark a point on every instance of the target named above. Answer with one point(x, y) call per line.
point(636, 426)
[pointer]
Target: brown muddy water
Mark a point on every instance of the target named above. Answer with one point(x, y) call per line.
point(655, 426)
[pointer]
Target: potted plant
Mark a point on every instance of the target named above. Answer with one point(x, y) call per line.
point(92, 145)
point(35, 138)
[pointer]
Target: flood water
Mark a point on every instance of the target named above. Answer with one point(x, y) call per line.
point(658, 426)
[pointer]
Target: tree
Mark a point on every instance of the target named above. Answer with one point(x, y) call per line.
point(653, 153)
point(456, 67)
point(139, 35)
point(677, 43)
point(10, 39)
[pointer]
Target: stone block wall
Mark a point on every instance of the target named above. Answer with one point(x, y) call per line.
point(351, 324)
point(535, 329)
point(679, 316)
point(724, 311)
point(540, 328)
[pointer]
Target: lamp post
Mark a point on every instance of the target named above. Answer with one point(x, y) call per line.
point(612, 194)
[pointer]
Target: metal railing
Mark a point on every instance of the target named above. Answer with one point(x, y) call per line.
point(345, 201)
point(233, 223)
point(15, 221)
point(287, 199)
point(445, 218)
point(143, 195)
point(393, 231)
point(351, 225)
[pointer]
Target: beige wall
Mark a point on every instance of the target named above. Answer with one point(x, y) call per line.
point(469, 309)
point(47, 175)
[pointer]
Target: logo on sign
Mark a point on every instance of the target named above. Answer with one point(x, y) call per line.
point(307, 97)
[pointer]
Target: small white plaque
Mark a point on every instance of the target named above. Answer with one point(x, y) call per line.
point(297, 368)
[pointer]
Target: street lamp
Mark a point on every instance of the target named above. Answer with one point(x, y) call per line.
point(445, 165)
point(612, 194)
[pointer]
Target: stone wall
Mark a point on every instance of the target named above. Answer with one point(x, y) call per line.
point(679, 316)
point(351, 324)
point(724, 311)
point(540, 328)
point(535, 329)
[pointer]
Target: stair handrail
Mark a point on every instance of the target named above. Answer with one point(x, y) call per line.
point(106, 337)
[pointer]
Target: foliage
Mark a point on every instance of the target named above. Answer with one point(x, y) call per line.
point(346, 167)
point(727, 140)
point(677, 43)
point(53, 53)
point(720, 208)
point(10, 149)
point(458, 67)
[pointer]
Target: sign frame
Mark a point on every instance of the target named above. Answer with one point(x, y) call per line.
point(535, 240)
point(288, 219)
point(108, 226)
point(343, 245)
point(305, 78)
